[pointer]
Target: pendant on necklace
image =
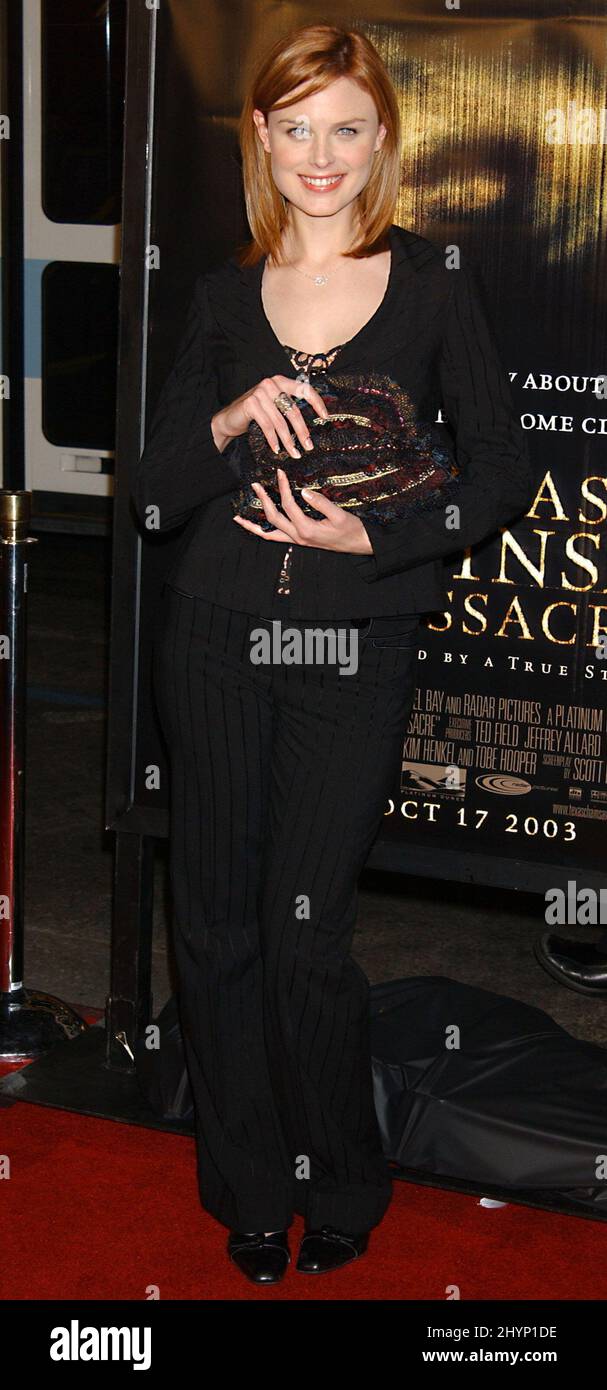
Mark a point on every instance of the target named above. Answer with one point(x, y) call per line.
point(320, 279)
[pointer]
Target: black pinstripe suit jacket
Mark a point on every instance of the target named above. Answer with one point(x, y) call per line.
point(431, 334)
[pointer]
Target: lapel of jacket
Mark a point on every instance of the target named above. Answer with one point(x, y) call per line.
point(235, 296)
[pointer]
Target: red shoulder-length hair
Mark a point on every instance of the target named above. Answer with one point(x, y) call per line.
point(316, 55)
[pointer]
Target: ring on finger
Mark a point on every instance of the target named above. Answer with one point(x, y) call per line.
point(283, 402)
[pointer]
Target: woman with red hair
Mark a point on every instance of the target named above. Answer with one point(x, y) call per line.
point(281, 769)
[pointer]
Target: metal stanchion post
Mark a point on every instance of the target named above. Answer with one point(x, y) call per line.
point(30, 1022)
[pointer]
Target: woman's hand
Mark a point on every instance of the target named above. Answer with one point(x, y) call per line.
point(258, 404)
point(339, 530)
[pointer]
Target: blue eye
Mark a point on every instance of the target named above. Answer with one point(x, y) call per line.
point(306, 130)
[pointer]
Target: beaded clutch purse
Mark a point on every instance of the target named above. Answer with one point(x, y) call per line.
point(371, 455)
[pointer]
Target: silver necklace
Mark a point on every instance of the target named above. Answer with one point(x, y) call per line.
point(320, 279)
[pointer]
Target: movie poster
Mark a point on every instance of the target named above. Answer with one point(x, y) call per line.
point(505, 753)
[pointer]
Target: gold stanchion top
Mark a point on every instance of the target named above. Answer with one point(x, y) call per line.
point(15, 514)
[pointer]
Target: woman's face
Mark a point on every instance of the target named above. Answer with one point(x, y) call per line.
point(322, 146)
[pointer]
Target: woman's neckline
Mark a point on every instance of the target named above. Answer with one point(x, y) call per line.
point(355, 337)
point(305, 361)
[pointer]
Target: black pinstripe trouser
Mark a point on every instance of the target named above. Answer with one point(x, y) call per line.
point(280, 776)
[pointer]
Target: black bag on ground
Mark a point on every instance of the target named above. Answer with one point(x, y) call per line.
point(511, 1100)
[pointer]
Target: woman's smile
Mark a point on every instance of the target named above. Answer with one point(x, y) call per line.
point(321, 183)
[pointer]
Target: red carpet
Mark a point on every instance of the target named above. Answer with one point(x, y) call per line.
point(99, 1210)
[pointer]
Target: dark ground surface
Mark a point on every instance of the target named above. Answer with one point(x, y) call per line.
point(407, 926)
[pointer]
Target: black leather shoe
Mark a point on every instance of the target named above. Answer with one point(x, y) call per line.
point(327, 1248)
point(579, 965)
point(263, 1259)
